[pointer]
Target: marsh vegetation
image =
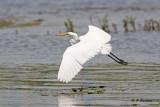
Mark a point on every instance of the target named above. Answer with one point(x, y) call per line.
point(128, 24)
point(12, 22)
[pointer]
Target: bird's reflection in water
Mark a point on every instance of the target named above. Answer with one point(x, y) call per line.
point(68, 101)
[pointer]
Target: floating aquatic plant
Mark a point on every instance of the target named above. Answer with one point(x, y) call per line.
point(89, 90)
point(29, 24)
point(6, 23)
point(11, 22)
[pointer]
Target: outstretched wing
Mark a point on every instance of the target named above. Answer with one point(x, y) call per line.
point(69, 66)
point(76, 55)
point(73, 59)
point(96, 36)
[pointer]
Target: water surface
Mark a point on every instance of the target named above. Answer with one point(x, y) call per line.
point(30, 56)
point(37, 86)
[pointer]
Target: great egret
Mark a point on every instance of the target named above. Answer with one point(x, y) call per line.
point(83, 49)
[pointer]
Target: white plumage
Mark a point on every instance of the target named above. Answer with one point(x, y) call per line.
point(92, 43)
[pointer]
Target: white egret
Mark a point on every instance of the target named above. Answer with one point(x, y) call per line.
point(83, 48)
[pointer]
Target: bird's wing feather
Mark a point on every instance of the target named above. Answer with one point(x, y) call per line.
point(76, 55)
point(69, 67)
point(73, 59)
point(96, 36)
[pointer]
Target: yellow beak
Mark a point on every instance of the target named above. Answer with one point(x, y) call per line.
point(62, 34)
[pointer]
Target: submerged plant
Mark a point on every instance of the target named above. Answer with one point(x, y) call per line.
point(114, 26)
point(151, 25)
point(91, 19)
point(129, 23)
point(146, 25)
point(69, 25)
point(104, 24)
point(132, 22)
point(125, 25)
point(156, 25)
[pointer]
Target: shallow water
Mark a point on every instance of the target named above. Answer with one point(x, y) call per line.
point(36, 85)
point(30, 56)
point(38, 44)
point(34, 45)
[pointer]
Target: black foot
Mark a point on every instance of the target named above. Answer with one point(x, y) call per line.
point(118, 60)
point(123, 62)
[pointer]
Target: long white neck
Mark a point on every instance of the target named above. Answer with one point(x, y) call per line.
point(74, 35)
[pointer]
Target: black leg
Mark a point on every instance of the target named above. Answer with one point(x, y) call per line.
point(116, 57)
point(118, 60)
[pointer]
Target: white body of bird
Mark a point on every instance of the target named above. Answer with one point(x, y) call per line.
point(92, 43)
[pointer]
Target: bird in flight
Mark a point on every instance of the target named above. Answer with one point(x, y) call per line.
point(82, 49)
